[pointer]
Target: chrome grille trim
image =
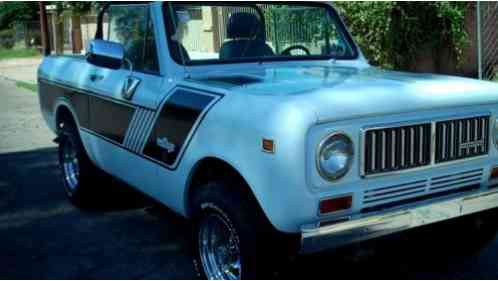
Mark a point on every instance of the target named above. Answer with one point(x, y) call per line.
point(424, 145)
point(472, 141)
point(453, 181)
point(380, 195)
point(384, 194)
point(407, 148)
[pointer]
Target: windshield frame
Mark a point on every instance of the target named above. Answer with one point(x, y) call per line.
point(330, 10)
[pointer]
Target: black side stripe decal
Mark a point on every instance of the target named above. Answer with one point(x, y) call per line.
point(134, 128)
point(101, 115)
point(76, 90)
point(177, 122)
point(110, 119)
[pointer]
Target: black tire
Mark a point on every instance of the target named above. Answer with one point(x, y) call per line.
point(245, 221)
point(482, 228)
point(79, 186)
point(471, 233)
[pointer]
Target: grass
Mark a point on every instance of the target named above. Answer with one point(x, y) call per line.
point(18, 53)
point(28, 86)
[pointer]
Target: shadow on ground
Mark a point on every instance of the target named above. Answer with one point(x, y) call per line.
point(43, 237)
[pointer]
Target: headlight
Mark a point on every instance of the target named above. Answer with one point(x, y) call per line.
point(335, 155)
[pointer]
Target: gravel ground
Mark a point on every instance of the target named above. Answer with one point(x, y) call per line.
point(43, 237)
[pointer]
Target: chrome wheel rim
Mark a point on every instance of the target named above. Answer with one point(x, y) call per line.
point(219, 249)
point(70, 165)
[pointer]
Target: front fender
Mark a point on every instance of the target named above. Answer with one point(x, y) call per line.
point(233, 132)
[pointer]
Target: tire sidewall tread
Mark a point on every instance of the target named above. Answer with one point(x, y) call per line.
point(235, 209)
point(84, 192)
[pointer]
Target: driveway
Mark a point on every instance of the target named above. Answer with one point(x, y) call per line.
point(20, 69)
point(43, 237)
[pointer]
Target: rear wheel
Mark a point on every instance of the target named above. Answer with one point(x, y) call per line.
point(79, 174)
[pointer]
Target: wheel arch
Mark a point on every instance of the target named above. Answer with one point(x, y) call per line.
point(211, 169)
point(63, 109)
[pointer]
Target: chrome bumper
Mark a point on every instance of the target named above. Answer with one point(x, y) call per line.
point(322, 238)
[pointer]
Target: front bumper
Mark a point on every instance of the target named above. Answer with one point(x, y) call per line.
point(322, 238)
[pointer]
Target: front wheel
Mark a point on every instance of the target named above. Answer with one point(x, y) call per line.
point(219, 247)
point(230, 235)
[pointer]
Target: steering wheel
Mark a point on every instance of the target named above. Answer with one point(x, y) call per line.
point(287, 52)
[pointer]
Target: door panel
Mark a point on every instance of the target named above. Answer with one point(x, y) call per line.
point(121, 119)
point(122, 164)
point(110, 119)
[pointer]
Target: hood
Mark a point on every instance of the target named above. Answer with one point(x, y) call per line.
point(339, 93)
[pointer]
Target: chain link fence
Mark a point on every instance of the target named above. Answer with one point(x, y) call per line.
point(488, 40)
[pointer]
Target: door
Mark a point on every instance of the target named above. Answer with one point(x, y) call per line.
point(124, 101)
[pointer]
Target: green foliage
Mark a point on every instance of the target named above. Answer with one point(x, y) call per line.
point(11, 12)
point(300, 25)
point(128, 25)
point(282, 19)
point(79, 8)
point(28, 86)
point(7, 39)
point(391, 34)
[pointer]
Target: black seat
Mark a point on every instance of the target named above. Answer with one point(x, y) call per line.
point(247, 38)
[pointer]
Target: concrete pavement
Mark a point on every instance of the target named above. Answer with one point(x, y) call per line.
point(20, 69)
point(42, 236)
point(21, 124)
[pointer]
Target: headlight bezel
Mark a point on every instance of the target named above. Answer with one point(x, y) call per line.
point(335, 136)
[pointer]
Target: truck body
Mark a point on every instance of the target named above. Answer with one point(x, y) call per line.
point(330, 148)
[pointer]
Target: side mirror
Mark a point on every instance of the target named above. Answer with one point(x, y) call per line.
point(105, 54)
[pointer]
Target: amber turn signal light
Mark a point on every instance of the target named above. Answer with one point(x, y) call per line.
point(333, 205)
point(268, 146)
point(494, 173)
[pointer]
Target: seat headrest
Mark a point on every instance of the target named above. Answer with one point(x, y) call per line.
point(244, 25)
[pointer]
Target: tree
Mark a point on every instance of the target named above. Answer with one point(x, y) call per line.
point(59, 27)
point(393, 34)
point(78, 8)
point(11, 12)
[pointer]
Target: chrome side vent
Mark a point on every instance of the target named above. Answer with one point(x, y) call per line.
point(395, 192)
point(396, 195)
point(460, 139)
point(456, 180)
point(394, 149)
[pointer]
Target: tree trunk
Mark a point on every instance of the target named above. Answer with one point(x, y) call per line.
point(44, 29)
point(76, 34)
point(59, 35)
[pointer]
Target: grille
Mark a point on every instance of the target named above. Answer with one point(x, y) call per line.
point(456, 180)
point(379, 197)
point(394, 149)
point(459, 139)
point(385, 194)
